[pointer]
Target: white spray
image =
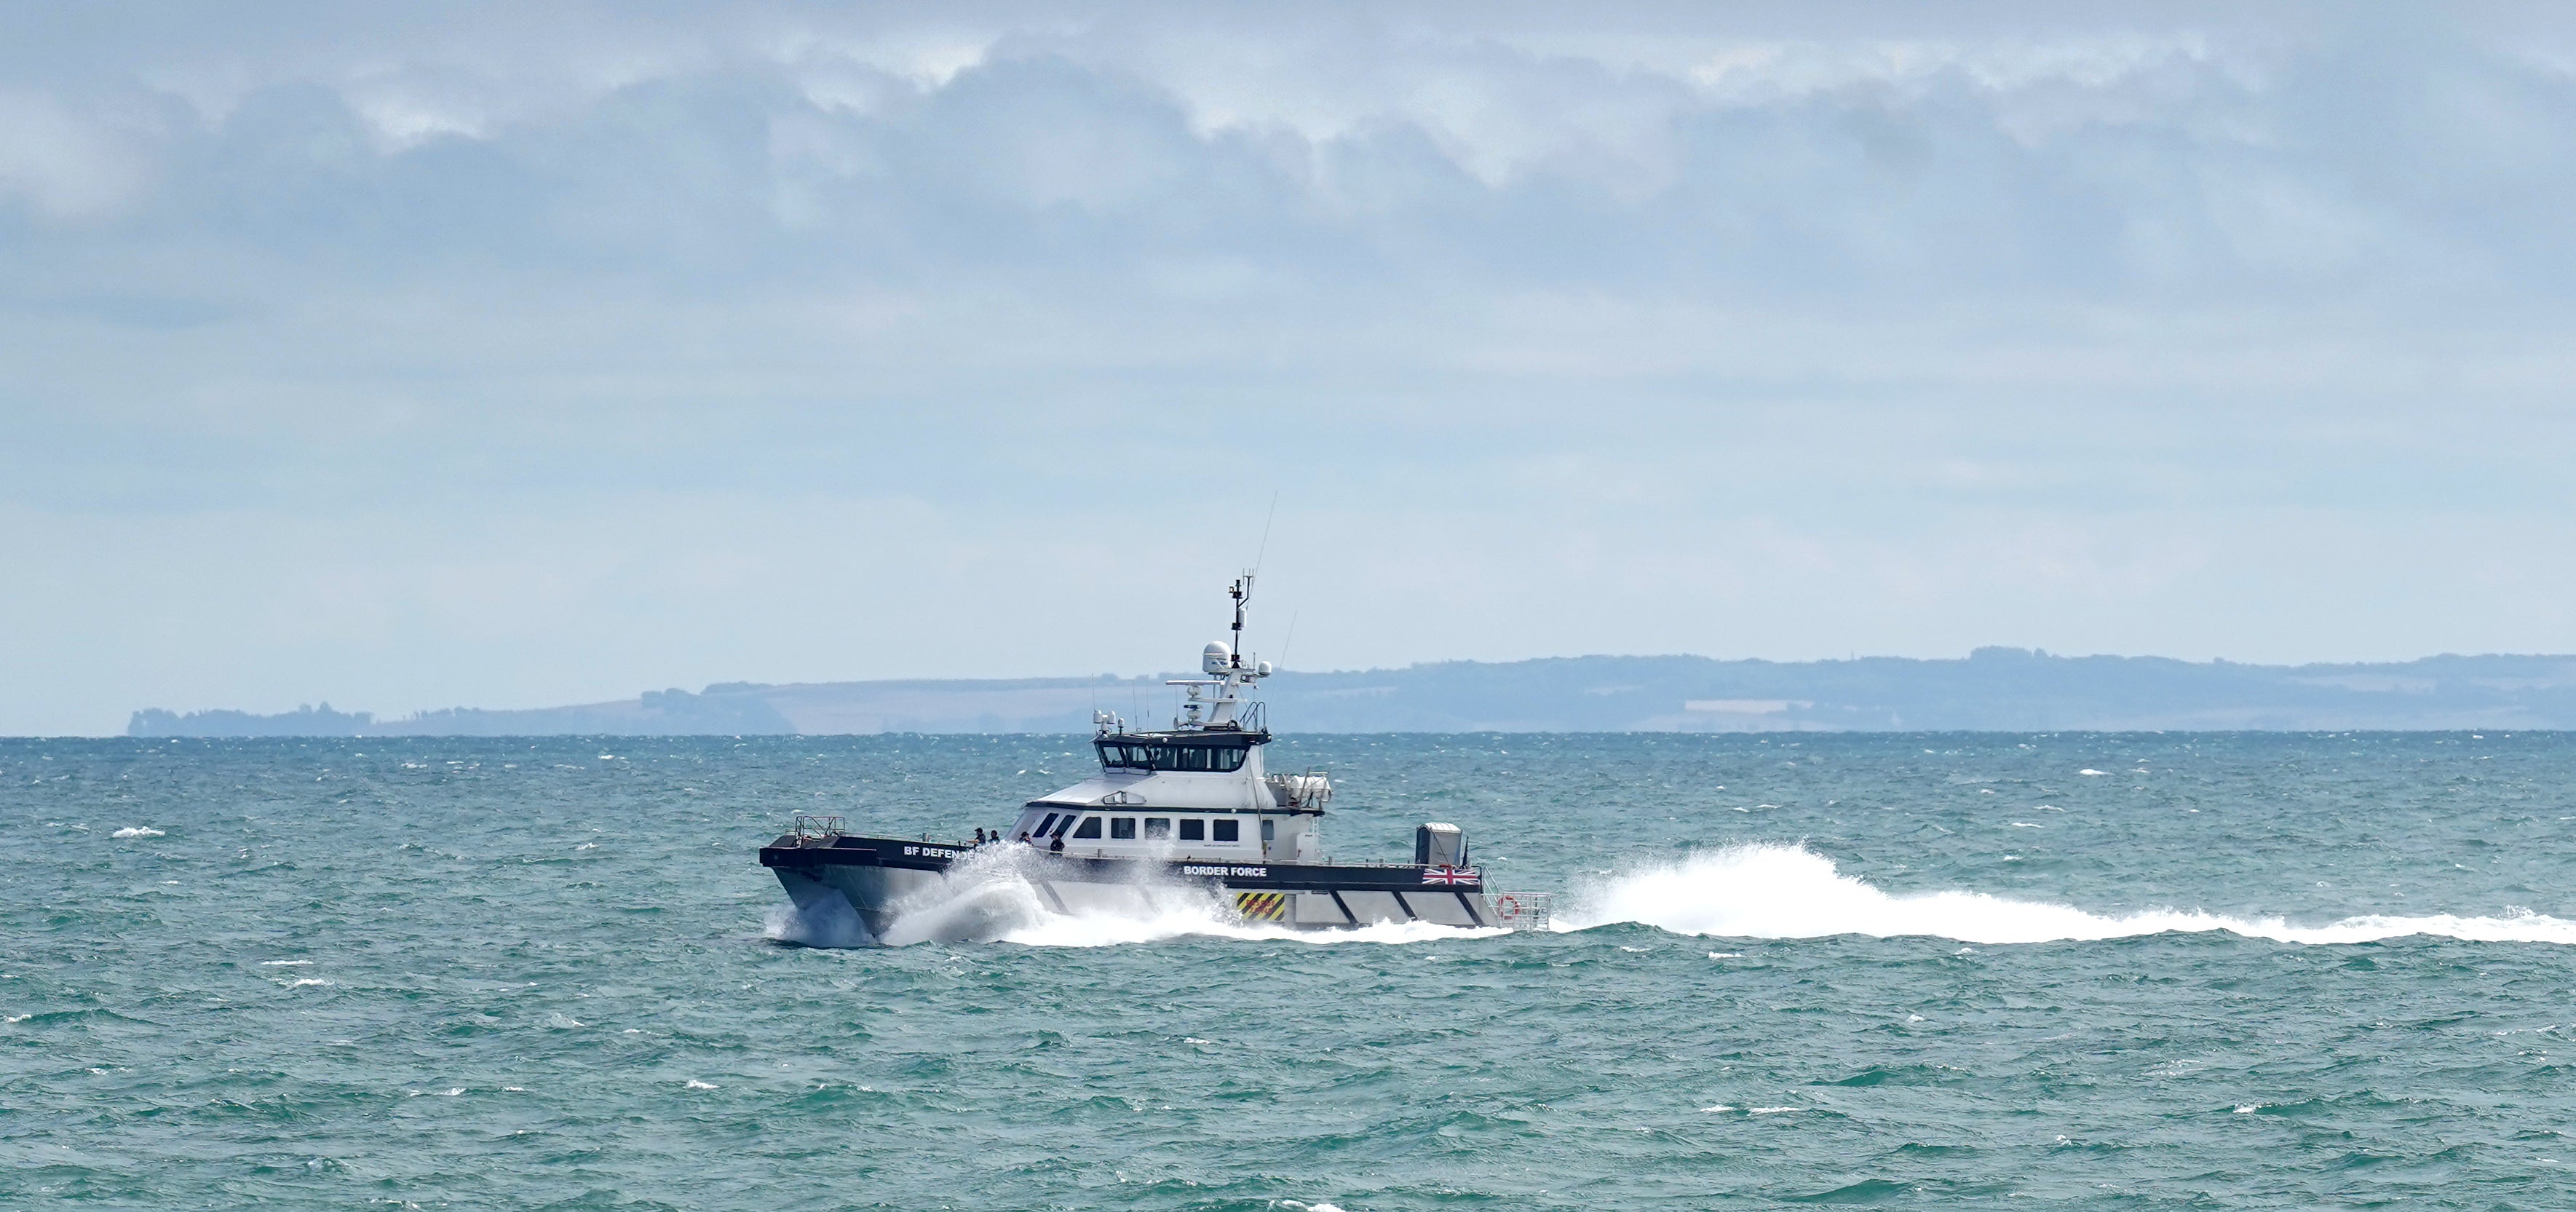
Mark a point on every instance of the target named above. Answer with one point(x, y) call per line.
point(1770, 891)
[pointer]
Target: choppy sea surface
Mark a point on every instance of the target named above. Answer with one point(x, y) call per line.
point(2134, 971)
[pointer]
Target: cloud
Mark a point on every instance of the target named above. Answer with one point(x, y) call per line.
point(2065, 317)
point(60, 166)
point(2219, 158)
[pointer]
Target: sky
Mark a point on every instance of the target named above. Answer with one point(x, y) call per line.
point(521, 354)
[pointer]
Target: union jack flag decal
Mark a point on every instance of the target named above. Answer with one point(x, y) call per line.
point(1448, 875)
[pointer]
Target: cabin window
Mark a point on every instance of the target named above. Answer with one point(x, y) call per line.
point(1228, 831)
point(1269, 831)
point(1090, 827)
point(1157, 826)
point(1122, 827)
point(1193, 831)
point(1067, 823)
point(1043, 825)
point(1213, 760)
point(1191, 758)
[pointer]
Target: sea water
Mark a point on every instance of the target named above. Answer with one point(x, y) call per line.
point(2130, 971)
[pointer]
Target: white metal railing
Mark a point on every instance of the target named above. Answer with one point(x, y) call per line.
point(1524, 910)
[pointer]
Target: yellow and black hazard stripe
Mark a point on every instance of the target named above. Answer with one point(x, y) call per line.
point(1262, 906)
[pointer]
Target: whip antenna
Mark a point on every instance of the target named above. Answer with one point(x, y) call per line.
point(1272, 516)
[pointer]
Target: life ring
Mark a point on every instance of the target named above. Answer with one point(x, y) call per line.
point(1508, 906)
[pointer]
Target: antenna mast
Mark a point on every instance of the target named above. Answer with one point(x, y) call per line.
point(1242, 593)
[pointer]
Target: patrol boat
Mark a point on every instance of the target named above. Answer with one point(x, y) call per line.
point(1189, 805)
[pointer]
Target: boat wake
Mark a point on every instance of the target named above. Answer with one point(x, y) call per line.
point(1773, 891)
point(990, 895)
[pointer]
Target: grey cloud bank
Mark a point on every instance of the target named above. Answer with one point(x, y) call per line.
point(524, 354)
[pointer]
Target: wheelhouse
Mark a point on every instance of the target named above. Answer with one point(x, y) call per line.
point(1196, 753)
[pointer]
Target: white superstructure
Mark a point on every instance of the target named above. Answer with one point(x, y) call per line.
point(1197, 791)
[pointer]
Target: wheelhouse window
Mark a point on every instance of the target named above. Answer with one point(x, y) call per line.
point(1193, 831)
point(1122, 827)
point(1228, 831)
point(1157, 826)
point(1043, 825)
point(1209, 759)
point(1090, 827)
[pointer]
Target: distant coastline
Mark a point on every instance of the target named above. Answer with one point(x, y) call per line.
point(1992, 689)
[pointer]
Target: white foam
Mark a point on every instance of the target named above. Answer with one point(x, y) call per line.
point(137, 831)
point(1771, 891)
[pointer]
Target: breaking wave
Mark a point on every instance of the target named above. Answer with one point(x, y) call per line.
point(1772, 891)
point(990, 895)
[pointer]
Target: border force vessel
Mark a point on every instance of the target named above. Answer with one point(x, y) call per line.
point(1193, 804)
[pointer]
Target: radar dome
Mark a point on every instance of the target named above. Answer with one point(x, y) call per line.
point(1216, 657)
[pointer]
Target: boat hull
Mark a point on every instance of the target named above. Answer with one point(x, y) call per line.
point(876, 877)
